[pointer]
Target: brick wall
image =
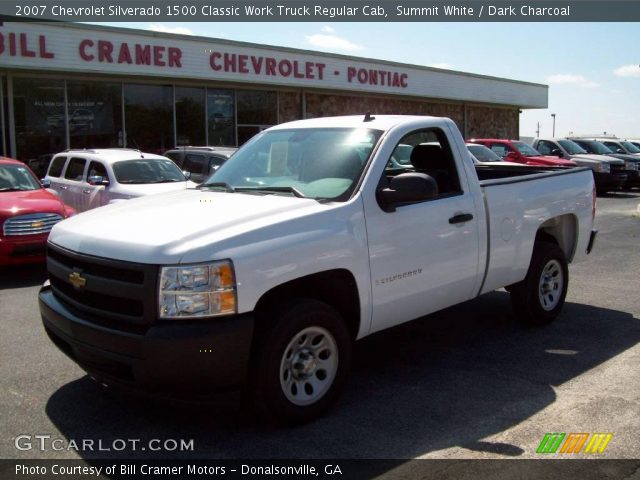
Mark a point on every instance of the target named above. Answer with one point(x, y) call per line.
point(481, 121)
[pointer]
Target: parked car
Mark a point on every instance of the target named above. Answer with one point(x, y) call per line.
point(609, 172)
point(86, 179)
point(519, 152)
point(631, 162)
point(296, 247)
point(634, 142)
point(200, 162)
point(28, 212)
point(483, 155)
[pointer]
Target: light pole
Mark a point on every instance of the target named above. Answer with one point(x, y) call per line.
point(553, 115)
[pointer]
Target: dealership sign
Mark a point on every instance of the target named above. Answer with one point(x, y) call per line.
point(77, 48)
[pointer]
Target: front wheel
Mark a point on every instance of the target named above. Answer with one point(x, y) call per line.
point(301, 362)
point(539, 298)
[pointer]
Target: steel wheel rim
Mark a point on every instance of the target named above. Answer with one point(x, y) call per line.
point(550, 285)
point(308, 366)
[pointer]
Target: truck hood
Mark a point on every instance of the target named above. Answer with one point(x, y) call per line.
point(30, 201)
point(625, 156)
point(551, 161)
point(162, 229)
point(597, 158)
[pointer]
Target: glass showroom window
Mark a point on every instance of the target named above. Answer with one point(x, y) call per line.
point(221, 113)
point(149, 117)
point(190, 118)
point(95, 114)
point(39, 117)
point(257, 110)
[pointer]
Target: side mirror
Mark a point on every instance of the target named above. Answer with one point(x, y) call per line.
point(510, 155)
point(97, 180)
point(407, 188)
point(619, 150)
point(45, 182)
point(556, 152)
point(186, 174)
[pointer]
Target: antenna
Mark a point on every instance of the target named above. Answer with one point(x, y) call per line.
point(368, 117)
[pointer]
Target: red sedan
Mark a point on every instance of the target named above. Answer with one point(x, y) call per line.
point(519, 152)
point(28, 212)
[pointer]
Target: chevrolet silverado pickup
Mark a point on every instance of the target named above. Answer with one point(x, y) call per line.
point(304, 241)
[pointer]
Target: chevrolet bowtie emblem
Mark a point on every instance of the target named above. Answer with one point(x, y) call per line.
point(77, 280)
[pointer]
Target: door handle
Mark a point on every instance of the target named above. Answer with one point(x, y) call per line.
point(63, 187)
point(86, 190)
point(460, 218)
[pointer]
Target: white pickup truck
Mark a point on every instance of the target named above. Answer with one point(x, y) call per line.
point(304, 241)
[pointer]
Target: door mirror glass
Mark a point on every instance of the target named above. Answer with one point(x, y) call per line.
point(97, 180)
point(45, 182)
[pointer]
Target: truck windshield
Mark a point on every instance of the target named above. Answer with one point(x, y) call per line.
point(318, 163)
point(147, 170)
point(592, 146)
point(16, 178)
point(526, 150)
point(571, 147)
point(631, 148)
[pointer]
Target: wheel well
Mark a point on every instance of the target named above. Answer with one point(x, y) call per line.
point(562, 231)
point(336, 288)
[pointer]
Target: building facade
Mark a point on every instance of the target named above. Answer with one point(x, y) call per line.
point(81, 86)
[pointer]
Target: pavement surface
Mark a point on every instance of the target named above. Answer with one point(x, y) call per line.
point(467, 382)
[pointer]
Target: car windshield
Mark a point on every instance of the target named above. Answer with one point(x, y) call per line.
point(593, 146)
point(631, 148)
point(15, 178)
point(571, 147)
point(147, 170)
point(484, 154)
point(526, 150)
point(318, 163)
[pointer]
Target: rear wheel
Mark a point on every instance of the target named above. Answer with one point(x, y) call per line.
point(301, 362)
point(539, 298)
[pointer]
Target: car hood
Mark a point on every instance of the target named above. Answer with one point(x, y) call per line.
point(162, 229)
point(30, 201)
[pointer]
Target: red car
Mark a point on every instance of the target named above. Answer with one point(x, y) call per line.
point(519, 152)
point(28, 212)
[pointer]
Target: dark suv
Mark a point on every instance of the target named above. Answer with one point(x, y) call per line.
point(201, 162)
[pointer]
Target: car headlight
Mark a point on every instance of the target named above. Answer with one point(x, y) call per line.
point(630, 166)
point(603, 167)
point(203, 290)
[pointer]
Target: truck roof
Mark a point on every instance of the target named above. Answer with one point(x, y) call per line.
point(378, 122)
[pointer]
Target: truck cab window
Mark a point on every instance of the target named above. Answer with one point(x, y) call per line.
point(427, 151)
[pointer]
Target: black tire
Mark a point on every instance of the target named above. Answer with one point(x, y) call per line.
point(270, 366)
point(532, 306)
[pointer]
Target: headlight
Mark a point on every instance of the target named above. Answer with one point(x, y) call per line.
point(204, 290)
point(630, 166)
point(603, 167)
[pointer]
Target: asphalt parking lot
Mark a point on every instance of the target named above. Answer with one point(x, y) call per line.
point(468, 382)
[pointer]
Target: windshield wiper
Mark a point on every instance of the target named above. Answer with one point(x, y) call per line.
point(14, 189)
point(226, 186)
point(294, 191)
point(166, 180)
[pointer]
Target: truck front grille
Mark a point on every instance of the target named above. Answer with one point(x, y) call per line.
point(111, 293)
point(32, 224)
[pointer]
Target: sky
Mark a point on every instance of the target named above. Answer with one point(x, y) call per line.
point(592, 69)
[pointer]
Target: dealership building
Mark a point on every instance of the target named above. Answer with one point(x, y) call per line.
point(82, 86)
